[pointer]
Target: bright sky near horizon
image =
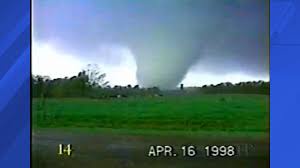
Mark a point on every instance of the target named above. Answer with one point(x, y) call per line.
point(49, 61)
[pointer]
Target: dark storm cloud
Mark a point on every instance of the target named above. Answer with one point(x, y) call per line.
point(167, 37)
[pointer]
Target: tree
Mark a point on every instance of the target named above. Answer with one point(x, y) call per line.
point(40, 85)
point(95, 77)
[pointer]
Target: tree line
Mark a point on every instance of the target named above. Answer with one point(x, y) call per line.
point(88, 83)
point(253, 87)
point(91, 83)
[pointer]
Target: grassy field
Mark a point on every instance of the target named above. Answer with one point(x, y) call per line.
point(118, 132)
point(224, 113)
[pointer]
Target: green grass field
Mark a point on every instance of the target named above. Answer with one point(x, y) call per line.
point(224, 113)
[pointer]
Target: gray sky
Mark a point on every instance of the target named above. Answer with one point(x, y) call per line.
point(155, 42)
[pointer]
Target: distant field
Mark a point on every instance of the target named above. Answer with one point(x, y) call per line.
point(241, 113)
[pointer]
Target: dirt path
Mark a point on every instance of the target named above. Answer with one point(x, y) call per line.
point(97, 150)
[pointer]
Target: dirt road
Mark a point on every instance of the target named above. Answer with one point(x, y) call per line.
point(97, 150)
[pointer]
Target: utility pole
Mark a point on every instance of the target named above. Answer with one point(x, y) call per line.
point(181, 86)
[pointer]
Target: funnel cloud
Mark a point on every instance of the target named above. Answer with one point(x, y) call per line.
point(168, 38)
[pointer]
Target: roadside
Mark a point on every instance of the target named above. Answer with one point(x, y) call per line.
point(106, 148)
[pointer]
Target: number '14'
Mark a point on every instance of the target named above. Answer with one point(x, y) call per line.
point(62, 149)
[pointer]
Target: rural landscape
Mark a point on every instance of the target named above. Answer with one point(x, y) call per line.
point(114, 79)
point(84, 107)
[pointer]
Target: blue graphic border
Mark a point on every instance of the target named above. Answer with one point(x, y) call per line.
point(15, 123)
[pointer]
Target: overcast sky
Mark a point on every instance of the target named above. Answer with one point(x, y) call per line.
point(153, 43)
